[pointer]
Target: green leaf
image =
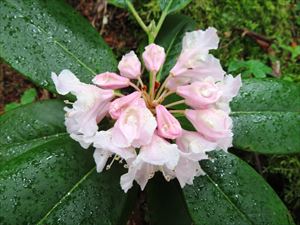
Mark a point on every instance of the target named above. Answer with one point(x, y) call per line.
point(266, 116)
point(166, 203)
point(233, 193)
point(11, 106)
point(47, 178)
point(175, 6)
point(119, 3)
point(249, 67)
point(170, 37)
point(40, 37)
point(28, 96)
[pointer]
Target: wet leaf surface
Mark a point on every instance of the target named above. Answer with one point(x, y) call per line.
point(40, 37)
point(233, 193)
point(47, 178)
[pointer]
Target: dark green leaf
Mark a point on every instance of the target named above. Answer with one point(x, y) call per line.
point(266, 116)
point(28, 96)
point(166, 202)
point(11, 106)
point(40, 37)
point(119, 3)
point(47, 178)
point(233, 193)
point(175, 6)
point(170, 37)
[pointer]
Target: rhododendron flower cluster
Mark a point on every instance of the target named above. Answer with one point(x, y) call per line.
point(146, 133)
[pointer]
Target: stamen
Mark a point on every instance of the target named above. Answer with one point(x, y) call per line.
point(68, 102)
point(116, 158)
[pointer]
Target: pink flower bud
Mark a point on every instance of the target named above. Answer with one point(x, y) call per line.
point(111, 81)
point(154, 56)
point(200, 94)
point(212, 123)
point(130, 66)
point(168, 125)
point(120, 104)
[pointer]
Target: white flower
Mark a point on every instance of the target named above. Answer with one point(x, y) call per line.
point(88, 110)
point(105, 147)
point(159, 155)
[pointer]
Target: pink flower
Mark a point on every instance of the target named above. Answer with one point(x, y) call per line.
point(130, 66)
point(105, 147)
point(210, 67)
point(158, 155)
point(195, 48)
point(120, 104)
point(167, 125)
point(154, 57)
point(212, 123)
point(174, 82)
point(109, 80)
point(134, 127)
point(200, 94)
point(230, 87)
point(194, 146)
point(88, 110)
point(144, 141)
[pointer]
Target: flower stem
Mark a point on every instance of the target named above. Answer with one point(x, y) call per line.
point(177, 111)
point(136, 16)
point(134, 86)
point(152, 84)
point(140, 82)
point(175, 103)
point(164, 95)
point(162, 86)
point(118, 94)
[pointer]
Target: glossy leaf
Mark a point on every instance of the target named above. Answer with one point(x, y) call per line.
point(233, 193)
point(266, 116)
point(267, 95)
point(40, 37)
point(170, 37)
point(175, 6)
point(28, 96)
point(166, 203)
point(47, 178)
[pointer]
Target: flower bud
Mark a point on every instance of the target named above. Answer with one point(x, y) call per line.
point(111, 81)
point(130, 66)
point(200, 94)
point(154, 56)
point(211, 123)
point(120, 104)
point(168, 125)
